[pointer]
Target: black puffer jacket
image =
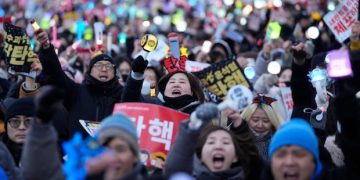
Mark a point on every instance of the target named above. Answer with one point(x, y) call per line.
point(93, 100)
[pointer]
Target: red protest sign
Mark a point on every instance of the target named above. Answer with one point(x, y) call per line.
point(156, 126)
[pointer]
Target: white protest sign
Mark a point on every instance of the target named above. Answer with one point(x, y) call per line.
point(238, 98)
point(340, 20)
point(287, 100)
point(193, 66)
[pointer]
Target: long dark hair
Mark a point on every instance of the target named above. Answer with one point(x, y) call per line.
point(243, 160)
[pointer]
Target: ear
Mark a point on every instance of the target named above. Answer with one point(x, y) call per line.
point(235, 159)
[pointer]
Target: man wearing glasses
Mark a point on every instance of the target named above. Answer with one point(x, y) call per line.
point(93, 100)
point(19, 116)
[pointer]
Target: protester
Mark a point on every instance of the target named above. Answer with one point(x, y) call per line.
point(180, 90)
point(94, 98)
point(117, 132)
point(19, 116)
point(216, 148)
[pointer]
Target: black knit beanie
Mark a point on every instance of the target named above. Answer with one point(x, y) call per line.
point(101, 57)
point(23, 106)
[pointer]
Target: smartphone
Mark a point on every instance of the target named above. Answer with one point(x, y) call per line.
point(339, 65)
point(174, 45)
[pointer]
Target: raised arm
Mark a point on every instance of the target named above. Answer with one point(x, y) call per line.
point(132, 89)
point(52, 68)
point(181, 156)
point(41, 158)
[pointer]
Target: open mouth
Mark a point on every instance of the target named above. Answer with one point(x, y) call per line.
point(218, 161)
point(291, 175)
point(176, 92)
point(104, 78)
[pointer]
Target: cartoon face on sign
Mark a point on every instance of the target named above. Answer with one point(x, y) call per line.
point(240, 96)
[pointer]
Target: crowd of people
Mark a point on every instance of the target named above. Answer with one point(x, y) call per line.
point(314, 137)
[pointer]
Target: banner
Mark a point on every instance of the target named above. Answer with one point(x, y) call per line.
point(19, 54)
point(287, 101)
point(157, 127)
point(340, 20)
point(220, 77)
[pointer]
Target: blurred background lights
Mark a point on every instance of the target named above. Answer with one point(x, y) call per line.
point(312, 32)
point(259, 4)
point(277, 3)
point(243, 21)
point(274, 67)
point(228, 2)
point(158, 20)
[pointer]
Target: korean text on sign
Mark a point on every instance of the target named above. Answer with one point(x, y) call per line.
point(220, 77)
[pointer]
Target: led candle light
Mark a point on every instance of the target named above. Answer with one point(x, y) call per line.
point(339, 65)
point(37, 30)
point(148, 43)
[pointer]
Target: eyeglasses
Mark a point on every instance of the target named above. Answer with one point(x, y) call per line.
point(15, 122)
point(100, 66)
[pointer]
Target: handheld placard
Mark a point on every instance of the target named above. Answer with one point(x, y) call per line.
point(174, 45)
point(37, 30)
point(238, 98)
point(148, 43)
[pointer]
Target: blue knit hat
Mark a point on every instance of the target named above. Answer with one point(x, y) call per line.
point(297, 132)
point(118, 125)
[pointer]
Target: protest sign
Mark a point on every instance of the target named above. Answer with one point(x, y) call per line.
point(194, 66)
point(340, 20)
point(220, 77)
point(90, 126)
point(273, 30)
point(19, 54)
point(287, 100)
point(156, 127)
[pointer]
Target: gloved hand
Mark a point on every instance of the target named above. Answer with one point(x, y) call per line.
point(47, 101)
point(203, 114)
point(139, 65)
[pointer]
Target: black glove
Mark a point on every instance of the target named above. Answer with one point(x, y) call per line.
point(299, 54)
point(139, 64)
point(47, 102)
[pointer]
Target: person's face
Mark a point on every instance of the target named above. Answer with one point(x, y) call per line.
point(124, 68)
point(285, 76)
point(259, 122)
point(125, 158)
point(103, 71)
point(17, 128)
point(150, 76)
point(218, 152)
point(178, 85)
point(292, 162)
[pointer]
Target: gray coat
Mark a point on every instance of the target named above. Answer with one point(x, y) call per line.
point(8, 164)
